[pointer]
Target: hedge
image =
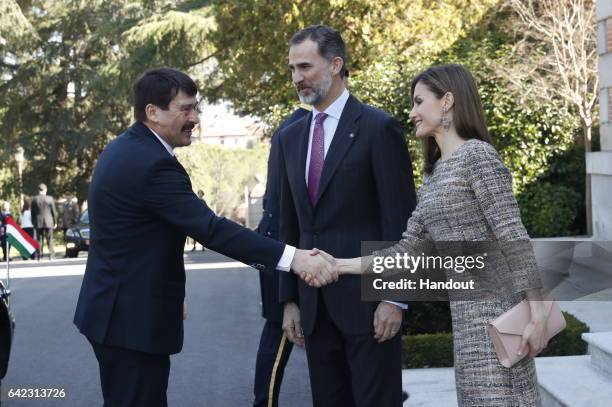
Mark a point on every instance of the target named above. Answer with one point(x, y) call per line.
point(436, 349)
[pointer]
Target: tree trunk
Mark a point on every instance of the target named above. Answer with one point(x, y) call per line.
point(587, 130)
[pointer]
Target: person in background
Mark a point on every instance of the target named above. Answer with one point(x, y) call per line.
point(201, 196)
point(44, 219)
point(5, 211)
point(25, 219)
point(274, 348)
point(70, 214)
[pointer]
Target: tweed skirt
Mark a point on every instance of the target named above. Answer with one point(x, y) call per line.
point(481, 380)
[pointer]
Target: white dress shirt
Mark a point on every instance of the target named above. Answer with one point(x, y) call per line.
point(333, 111)
point(284, 264)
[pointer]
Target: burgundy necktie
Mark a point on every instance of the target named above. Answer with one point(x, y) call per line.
point(317, 155)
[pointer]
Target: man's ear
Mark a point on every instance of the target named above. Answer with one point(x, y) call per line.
point(151, 112)
point(336, 65)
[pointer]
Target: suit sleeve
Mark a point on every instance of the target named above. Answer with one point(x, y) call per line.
point(271, 196)
point(289, 227)
point(168, 195)
point(392, 169)
point(34, 213)
point(53, 210)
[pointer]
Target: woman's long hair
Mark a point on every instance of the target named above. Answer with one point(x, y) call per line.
point(468, 116)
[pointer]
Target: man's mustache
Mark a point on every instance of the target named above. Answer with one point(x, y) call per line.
point(301, 87)
point(188, 127)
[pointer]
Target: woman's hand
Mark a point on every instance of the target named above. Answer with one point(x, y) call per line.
point(535, 336)
point(345, 266)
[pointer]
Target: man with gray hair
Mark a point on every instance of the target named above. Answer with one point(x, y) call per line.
point(346, 177)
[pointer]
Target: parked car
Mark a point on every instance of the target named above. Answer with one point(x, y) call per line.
point(7, 326)
point(77, 237)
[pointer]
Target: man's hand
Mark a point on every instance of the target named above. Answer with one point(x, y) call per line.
point(184, 310)
point(292, 325)
point(315, 270)
point(387, 321)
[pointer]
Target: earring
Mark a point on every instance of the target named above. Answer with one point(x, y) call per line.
point(445, 121)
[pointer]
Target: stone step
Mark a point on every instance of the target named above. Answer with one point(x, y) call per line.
point(572, 381)
point(600, 348)
point(431, 387)
point(594, 263)
point(585, 279)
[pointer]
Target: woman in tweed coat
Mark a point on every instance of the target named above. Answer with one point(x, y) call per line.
point(467, 196)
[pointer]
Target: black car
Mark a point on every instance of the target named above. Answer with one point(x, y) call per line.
point(7, 325)
point(77, 237)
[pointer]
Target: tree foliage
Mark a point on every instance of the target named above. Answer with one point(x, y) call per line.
point(67, 67)
point(67, 78)
point(223, 173)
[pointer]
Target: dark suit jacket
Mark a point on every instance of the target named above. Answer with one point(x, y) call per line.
point(272, 309)
point(366, 193)
point(141, 208)
point(43, 210)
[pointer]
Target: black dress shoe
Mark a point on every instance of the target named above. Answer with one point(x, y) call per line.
point(405, 395)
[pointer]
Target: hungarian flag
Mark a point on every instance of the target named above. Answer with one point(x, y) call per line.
point(20, 239)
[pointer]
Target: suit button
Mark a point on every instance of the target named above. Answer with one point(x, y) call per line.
point(269, 215)
point(269, 233)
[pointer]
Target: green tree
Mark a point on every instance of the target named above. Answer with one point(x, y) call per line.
point(68, 78)
point(222, 173)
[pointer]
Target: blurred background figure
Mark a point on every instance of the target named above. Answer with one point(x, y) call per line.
point(25, 220)
point(4, 212)
point(201, 196)
point(44, 219)
point(70, 214)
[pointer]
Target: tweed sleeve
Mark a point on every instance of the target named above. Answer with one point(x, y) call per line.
point(491, 183)
point(414, 237)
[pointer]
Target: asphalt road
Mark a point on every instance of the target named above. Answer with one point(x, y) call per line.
point(216, 365)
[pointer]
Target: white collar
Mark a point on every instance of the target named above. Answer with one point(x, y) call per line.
point(335, 109)
point(164, 143)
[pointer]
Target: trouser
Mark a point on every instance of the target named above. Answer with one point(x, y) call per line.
point(352, 370)
point(130, 378)
point(272, 357)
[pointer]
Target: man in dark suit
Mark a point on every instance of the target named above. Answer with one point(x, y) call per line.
point(44, 219)
point(141, 208)
point(274, 348)
point(346, 177)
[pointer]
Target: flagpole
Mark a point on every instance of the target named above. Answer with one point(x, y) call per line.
point(8, 271)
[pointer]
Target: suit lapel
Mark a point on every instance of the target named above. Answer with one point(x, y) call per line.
point(296, 165)
point(346, 133)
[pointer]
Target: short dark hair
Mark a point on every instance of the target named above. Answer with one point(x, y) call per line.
point(158, 87)
point(329, 43)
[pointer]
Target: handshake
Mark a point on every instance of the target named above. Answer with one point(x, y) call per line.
point(315, 267)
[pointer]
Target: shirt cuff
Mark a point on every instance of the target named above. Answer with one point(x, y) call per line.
point(284, 264)
point(399, 304)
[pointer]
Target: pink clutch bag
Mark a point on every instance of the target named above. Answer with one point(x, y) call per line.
point(506, 330)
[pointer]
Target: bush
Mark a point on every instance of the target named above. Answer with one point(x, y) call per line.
point(428, 317)
point(436, 350)
point(569, 342)
point(427, 350)
point(548, 209)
